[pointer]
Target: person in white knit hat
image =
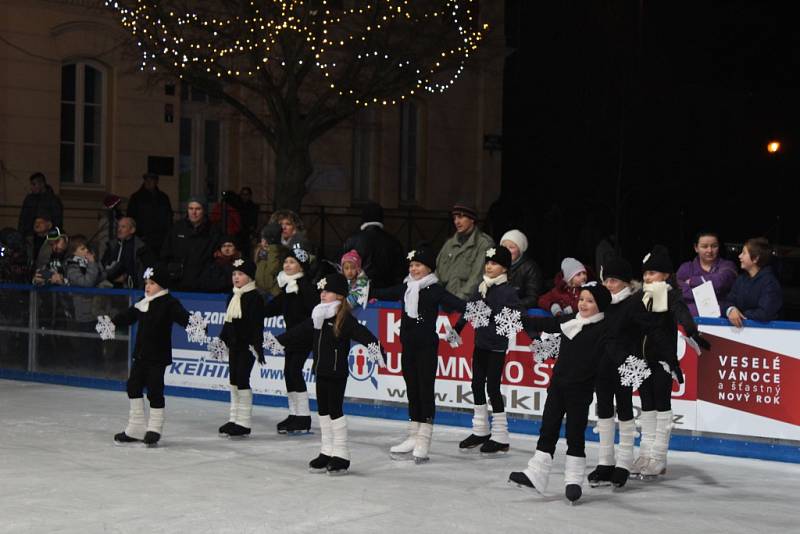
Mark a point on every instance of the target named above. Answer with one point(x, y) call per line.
point(563, 298)
point(524, 273)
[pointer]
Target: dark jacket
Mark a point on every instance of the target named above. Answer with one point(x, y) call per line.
point(295, 308)
point(497, 297)
point(188, 250)
point(758, 298)
point(217, 277)
point(526, 277)
point(35, 204)
point(154, 333)
point(130, 257)
point(381, 255)
point(422, 330)
point(331, 353)
point(627, 321)
point(578, 358)
point(660, 343)
point(240, 334)
point(152, 212)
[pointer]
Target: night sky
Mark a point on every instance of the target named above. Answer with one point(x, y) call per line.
point(667, 106)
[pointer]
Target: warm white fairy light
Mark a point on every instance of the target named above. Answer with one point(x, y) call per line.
point(187, 41)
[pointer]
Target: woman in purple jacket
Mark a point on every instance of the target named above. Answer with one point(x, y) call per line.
point(707, 266)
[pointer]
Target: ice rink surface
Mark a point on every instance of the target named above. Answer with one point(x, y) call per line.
point(60, 472)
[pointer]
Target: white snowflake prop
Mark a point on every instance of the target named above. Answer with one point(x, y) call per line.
point(196, 329)
point(272, 345)
point(322, 283)
point(217, 349)
point(548, 346)
point(105, 327)
point(374, 353)
point(238, 263)
point(491, 252)
point(633, 372)
point(509, 323)
point(478, 314)
point(452, 337)
point(410, 255)
point(300, 254)
point(148, 273)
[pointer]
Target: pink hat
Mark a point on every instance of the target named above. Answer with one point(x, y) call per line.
point(353, 257)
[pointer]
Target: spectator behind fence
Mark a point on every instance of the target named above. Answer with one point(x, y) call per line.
point(756, 293)
point(381, 253)
point(249, 213)
point(269, 258)
point(126, 259)
point(14, 260)
point(707, 266)
point(218, 275)
point(51, 262)
point(459, 265)
point(107, 220)
point(41, 201)
point(563, 298)
point(34, 242)
point(82, 271)
point(151, 209)
point(189, 247)
point(293, 233)
point(524, 274)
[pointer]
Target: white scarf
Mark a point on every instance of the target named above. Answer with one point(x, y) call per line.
point(290, 281)
point(489, 282)
point(573, 327)
point(144, 304)
point(411, 298)
point(657, 294)
point(616, 298)
point(324, 310)
point(234, 310)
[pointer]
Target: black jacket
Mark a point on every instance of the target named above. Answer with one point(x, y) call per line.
point(331, 353)
point(45, 203)
point(578, 358)
point(130, 257)
point(188, 250)
point(295, 308)
point(526, 277)
point(152, 212)
point(240, 334)
point(627, 322)
point(497, 297)
point(661, 340)
point(154, 334)
point(422, 330)
point(381, 255)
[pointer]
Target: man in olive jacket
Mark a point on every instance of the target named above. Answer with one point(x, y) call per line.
point(459, 265)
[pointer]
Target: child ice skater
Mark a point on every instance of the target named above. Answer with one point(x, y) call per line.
point(421, 294)
point(243, 335)
point(489, 354)
point(332, 328)
point(152, 353)
point(584, 340)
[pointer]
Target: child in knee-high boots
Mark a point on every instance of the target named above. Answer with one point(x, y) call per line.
point(666, 310)
point(421, 294)
point(489, 353)
point(333, 327)
point(152, 353)
point(584, 340)
point(243, 335)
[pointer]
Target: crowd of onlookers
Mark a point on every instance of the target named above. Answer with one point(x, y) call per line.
point(200, 248)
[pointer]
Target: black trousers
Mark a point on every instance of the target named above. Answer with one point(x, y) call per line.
point(487, 372)
point(293, 362)
point(419, 372)
point(330, 396)
point(150, 376)
point(240, 363)
point(608, 389)
point(573, 402)
point(656, 391)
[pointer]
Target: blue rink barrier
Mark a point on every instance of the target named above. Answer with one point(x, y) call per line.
point(36, 370)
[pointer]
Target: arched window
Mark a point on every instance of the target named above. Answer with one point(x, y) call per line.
point(83, 105)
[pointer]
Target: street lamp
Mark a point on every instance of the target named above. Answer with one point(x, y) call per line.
point(773, 147)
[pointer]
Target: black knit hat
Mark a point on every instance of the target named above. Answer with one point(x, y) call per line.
point(500, 255)
point(227, 239)
point(424, 256)
point(616, 267)
point(299, 253)
point(658, 260)
point(372, 212)
point(272, 233)
point(602, 296)
point(465, 208)
point(158, 274)
point(335, 283)
point(246, 266)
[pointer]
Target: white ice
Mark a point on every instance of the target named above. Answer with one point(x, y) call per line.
point(60, 472)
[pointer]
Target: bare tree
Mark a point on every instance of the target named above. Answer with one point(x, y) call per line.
point(296, 69)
